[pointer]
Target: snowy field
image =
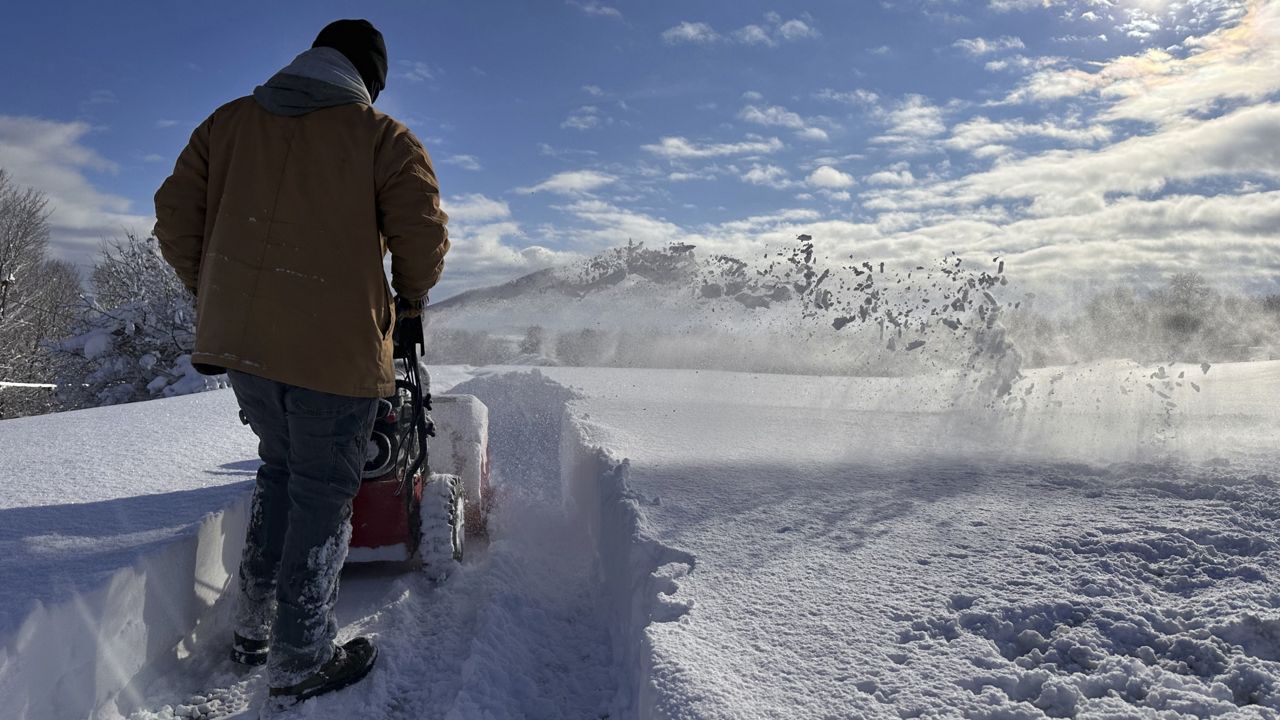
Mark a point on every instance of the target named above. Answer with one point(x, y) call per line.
point(685, 544)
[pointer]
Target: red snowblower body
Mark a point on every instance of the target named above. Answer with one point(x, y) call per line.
point(426, 476)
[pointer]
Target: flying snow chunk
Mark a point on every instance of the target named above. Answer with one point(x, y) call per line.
point(97, 345)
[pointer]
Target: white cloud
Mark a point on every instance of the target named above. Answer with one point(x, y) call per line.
point(830, 178)
point(891, 177)
point(917, 116)
point(51, 157)
point(752, 95)
point(771, 221)
point(474, 208)
point(593, 90)
point(1024, 63)
point(584, 118)
point(563, 153)
point(796, 30)
point(598, 9)
point(1064, 182)
point(1012, 5)
point(165, 124)
point(496, 247)
point(684, 176)
point(572, 182)
point(1079, 38)
point(753, 35)
point(681, 148)
point(690, 32)
point(775, 115)
point(772, 33)
point(982, 46)
point(912, 120)
point(851, 97)
point(416, 72)
point(610, 225)
point(466, 162)
point(768, 176)
point(980, 132)
point(494, 253)
point(813, 133)
point(1140, 25)
point(1235, 62)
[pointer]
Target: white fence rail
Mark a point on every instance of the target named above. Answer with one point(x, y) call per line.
point(4, 385)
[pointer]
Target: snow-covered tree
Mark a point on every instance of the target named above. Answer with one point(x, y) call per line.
point(37, 301)
point(136, 334)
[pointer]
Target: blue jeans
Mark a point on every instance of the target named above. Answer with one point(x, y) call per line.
point(313, 449)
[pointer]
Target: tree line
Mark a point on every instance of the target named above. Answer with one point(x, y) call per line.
point(129, 337)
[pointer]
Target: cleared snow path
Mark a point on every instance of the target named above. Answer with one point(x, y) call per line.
point(518, 632)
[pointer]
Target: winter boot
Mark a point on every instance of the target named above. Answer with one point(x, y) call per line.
point(350, 663)
point(248, 652)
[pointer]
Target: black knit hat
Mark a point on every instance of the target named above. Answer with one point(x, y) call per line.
point(362, 44)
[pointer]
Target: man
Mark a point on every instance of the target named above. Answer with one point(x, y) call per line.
point(277, 217)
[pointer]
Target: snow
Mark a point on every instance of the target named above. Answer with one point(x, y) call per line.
point(97, 345)
point(695, 544)
point(387, 553)
point(113, 542)
point(461, 435)
point(820, 544)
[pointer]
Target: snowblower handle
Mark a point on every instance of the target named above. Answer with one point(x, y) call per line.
point(406, 337)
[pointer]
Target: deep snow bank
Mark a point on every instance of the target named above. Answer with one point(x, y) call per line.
point(119, 529)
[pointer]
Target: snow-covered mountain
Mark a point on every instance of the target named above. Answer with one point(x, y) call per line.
point(791, 310)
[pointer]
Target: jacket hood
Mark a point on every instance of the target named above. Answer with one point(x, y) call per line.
point(363, 45)
point(318, 78)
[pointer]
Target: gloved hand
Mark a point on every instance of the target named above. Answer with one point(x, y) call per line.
point(409, 308)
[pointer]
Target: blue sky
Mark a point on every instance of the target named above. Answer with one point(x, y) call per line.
point(1089, 141)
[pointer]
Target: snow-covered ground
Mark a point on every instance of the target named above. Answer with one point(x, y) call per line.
point(113, 543)
point(838, 547)
point(691, 544)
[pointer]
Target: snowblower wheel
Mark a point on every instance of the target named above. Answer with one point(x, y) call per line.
point(443, 525)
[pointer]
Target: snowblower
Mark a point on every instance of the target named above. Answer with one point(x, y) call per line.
point(426, 474)
point(425, 483)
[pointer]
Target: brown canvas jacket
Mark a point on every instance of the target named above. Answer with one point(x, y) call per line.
point(279, 225)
